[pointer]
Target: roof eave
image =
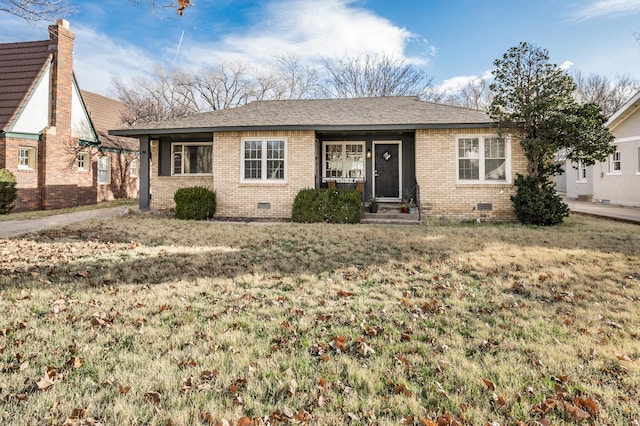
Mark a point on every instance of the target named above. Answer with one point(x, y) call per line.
point(626, 110)
point(321, 128)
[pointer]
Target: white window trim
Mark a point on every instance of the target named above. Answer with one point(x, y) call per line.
point(481, 180)
point(638, 169)
point(581, 167)
point(182, 165)
point(344, 145)
point(108, 180)
point(85, 156)
point(613, 172)
point(31, 158)
point(263, 167)
point(133, 171)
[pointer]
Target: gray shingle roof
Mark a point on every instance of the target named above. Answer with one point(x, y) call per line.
point(20, 66)
point(321, 114)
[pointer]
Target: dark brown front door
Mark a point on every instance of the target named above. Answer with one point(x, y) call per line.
point(387, 170)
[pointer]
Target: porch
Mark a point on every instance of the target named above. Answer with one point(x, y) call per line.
point(380, 165)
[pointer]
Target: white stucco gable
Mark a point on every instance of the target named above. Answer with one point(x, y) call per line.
point(81, 126)
point(34, 116)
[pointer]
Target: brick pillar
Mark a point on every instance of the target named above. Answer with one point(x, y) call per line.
point(59, 180)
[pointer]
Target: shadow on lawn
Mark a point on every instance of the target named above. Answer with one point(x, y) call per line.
point(169, 250)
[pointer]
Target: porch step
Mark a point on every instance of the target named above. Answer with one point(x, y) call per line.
point(390, 214)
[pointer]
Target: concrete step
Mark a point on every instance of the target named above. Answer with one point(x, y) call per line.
point(389, 213)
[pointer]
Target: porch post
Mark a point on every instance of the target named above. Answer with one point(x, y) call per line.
point(143, 191)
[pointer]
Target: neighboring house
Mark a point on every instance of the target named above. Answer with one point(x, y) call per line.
point(48, 139)
point(259, 156)
point(116, 159)
point(617, 180)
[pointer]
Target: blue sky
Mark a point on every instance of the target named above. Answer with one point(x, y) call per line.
point(453, 40)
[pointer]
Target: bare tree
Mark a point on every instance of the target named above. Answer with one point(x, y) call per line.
point(373, 75)
point(297, 81)
point(609, 94)
point(151, 99)
point(475, 95)
point(49, 10)
point(224, 86)
point(37, 10)
point(157, 7)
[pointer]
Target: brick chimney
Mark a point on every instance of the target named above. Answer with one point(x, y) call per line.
point(56, 156)
point(61, 44)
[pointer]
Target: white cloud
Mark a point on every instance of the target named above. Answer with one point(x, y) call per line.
point(566, 65)
point(97, 59)
point(309, 29)
point(607, 7)
point(455, 84)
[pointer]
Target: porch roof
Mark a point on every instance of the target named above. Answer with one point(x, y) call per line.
point(384, 113)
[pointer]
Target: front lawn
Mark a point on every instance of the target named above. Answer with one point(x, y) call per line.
point(153, 321)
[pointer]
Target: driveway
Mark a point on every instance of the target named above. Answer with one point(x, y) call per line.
point(609, 211)
point(11, 228)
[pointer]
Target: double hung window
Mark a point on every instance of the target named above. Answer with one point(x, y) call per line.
point(26, 158)
point(615, 166)
point(482, 159)
point(104, 170)
point(582, 172)
point(263, 160)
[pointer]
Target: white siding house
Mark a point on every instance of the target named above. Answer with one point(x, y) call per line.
point(616, 180)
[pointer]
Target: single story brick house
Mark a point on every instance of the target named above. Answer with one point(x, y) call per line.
point(257, 157)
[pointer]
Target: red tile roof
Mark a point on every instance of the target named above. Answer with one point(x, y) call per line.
point(21, 64)
point(106, 114)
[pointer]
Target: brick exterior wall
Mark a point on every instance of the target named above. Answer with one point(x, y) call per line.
point(441, 196)
point(29, 194)
point(236, 199)
point(122, 185)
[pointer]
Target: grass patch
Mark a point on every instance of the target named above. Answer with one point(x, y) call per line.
point(44, 213)
point(141, 320)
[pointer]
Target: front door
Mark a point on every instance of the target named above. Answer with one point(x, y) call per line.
point(386, 170)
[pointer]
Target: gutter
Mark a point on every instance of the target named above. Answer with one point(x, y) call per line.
point(318, 128)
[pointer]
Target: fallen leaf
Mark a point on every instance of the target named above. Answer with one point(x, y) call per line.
point(621, 357)
point(575, 413)
point(74, 362)
point(153, 397)
point(124, 389)
point(489, 384)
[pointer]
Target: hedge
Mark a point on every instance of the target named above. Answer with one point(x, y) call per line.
point(8, 191)
point(195, 203)
point(327, 205)
point(536, 202)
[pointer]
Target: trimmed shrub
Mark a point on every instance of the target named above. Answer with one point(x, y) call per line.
point(536, 202)
point(327, 205)
point(8, 191)
point(195, 203)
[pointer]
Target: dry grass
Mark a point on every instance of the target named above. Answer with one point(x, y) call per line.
point(151, 321)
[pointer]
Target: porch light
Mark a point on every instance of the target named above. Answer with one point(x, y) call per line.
point(369, 153)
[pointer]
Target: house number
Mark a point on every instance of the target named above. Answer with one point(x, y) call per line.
point(386, 156)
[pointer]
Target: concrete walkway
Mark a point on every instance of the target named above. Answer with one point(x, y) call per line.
point(11, 228)
point(609, 211)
